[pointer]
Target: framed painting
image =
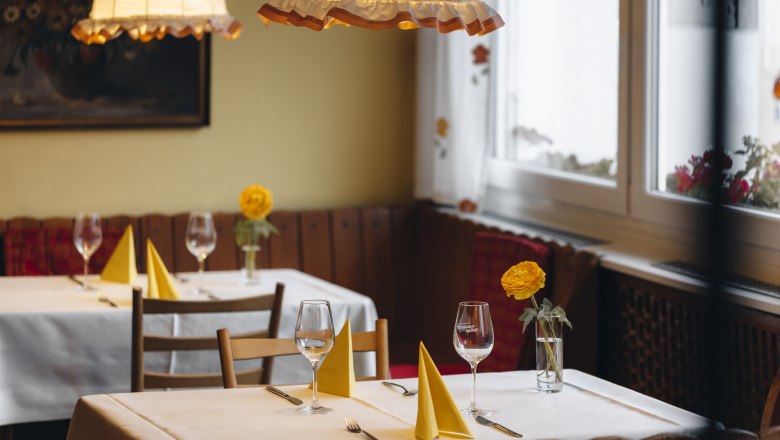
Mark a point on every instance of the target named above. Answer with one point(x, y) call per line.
point(48, 79)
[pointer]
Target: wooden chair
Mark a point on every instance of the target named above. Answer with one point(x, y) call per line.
point(241, 349)
point(771, 415)
point(150, 343)
point(672, 437)
point(772, 433)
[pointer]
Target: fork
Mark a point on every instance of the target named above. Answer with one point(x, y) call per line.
point(352, 426)
point(409, 392)
point(102, 297)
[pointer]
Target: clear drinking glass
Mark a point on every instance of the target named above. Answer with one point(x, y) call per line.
point(201, 239)
point(314, 339)
point(87, 236)
point(473, 340)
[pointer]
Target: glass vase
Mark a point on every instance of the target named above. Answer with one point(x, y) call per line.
point(549, 352)
point(251, 273)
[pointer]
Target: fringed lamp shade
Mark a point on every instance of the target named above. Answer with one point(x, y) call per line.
point(148, 19)
point(476, 17)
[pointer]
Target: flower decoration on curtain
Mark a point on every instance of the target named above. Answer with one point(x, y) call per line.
point(146, 20)
point(481, 54)
point(473, 16)
point(440, 143)
point(453, 116)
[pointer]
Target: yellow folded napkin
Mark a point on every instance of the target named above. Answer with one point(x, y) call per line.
point(161, 284)
point(337, 371)
point(437, 412)
point(120, 267)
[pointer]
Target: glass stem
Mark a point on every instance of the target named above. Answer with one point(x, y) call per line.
point(473, 385)
point(201, 265)
point(314, 402)
point(86, 271)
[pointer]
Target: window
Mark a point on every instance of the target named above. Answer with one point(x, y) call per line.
point(628, 83)
point(685, 32)
point(561, 86)
point(560, 130)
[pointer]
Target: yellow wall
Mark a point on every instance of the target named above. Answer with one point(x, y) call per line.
point(324, 119)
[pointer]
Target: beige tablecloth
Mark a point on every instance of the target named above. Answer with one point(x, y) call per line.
point(58, 343)
point(588, 407)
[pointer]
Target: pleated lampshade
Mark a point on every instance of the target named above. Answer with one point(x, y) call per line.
point(474, 16)
point(148, 19)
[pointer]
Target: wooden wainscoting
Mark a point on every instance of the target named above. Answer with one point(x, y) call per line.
point(364, 249)
point(654, 340)
point(412, 260)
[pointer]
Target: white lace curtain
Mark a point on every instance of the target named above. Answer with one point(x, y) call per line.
point(453, 110)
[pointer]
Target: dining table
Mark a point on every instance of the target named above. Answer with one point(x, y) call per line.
point(587, 407)
point(58, 342)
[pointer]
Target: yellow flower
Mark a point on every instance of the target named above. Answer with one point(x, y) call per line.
point(523, 280)
point(256, 202)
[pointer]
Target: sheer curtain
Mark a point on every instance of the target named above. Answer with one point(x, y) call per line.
point(453, 114)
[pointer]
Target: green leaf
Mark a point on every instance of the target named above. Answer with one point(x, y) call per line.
point(527, 317)
point(566, 321)
point(547, 303)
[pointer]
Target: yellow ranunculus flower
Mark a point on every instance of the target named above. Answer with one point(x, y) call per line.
point(523, 280)
point(256, 202)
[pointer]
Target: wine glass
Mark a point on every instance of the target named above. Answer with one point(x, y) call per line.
point(201, 239)
point(473, 340)
point(87, 236)
point(314, 339)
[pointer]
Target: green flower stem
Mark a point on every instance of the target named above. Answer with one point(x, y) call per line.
point(551, 360)
point(249, 262)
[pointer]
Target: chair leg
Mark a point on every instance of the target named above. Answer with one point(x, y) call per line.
point(7, 432)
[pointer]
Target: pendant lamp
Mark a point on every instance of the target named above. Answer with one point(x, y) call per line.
point(474, 16)
point(145, 20)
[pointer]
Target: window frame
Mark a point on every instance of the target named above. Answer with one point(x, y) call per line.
point(570, 188)
point(634, 209)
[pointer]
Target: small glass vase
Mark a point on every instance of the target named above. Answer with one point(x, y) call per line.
point(251, 273)
point(549, 352)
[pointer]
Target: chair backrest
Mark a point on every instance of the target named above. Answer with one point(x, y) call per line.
point(771, 415)
point(142, 342)
point(672, 437)
point(231, 350)
point(493, 254)
point(772, 433)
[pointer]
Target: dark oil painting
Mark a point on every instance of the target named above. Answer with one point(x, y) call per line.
point(50, 79)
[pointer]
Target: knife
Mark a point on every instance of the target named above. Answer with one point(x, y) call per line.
point(281, 393)
point(75, 280)
point(502, 428)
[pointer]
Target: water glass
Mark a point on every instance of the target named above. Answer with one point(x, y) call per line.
point(314, 338)
point(201, 238)
point(87, 236)
point(473, 340)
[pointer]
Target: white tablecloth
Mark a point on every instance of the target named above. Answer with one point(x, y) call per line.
point(587, 407)
point(58, 343)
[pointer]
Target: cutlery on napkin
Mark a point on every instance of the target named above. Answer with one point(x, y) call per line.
point(284, 395)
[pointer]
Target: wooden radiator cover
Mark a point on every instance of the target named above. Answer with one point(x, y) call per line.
point(653, 340)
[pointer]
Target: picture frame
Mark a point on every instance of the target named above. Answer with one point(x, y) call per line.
point(48, 79)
